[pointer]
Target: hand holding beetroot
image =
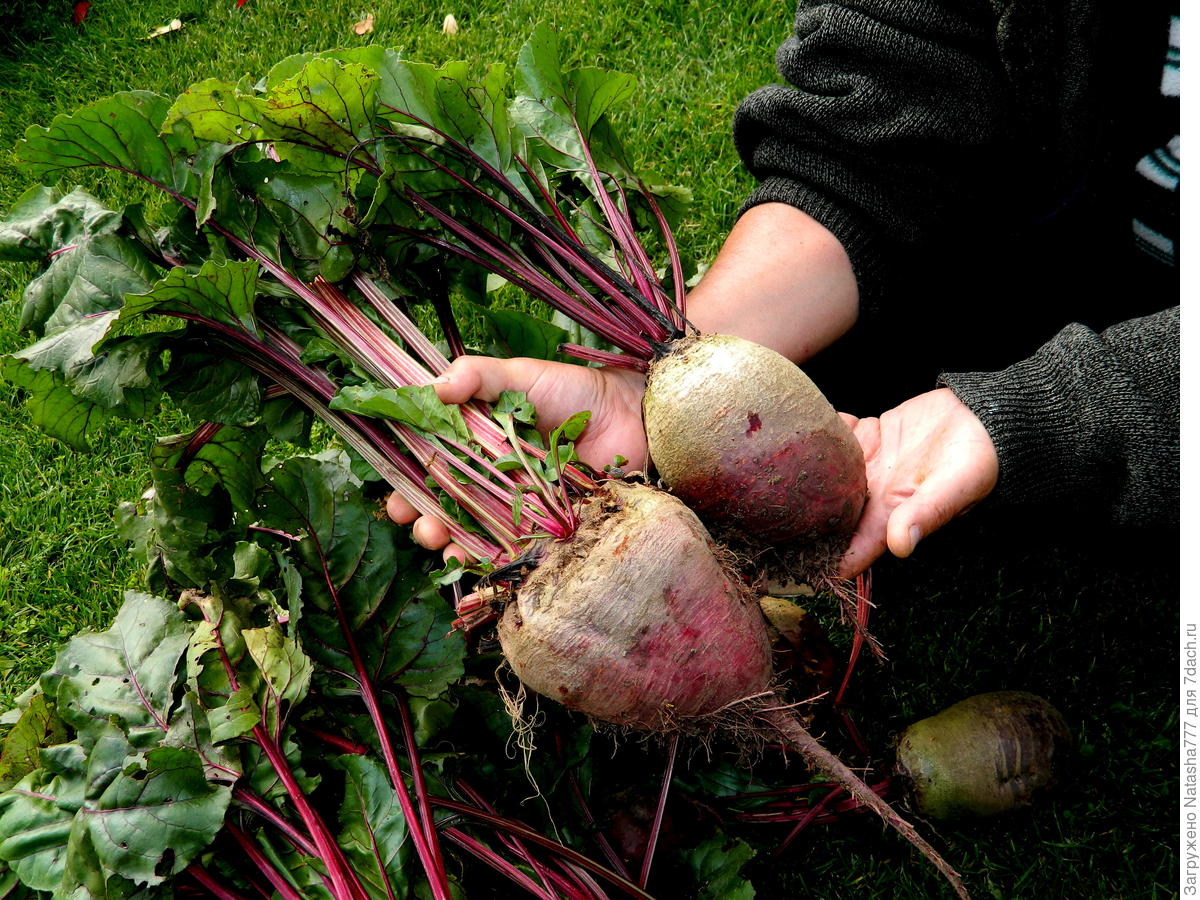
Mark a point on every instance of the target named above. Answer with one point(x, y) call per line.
point(557, 390)
point(928, 460)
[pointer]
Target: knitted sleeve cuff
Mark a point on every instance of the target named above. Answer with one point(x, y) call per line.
point(1031, 425)
point(1090, 418)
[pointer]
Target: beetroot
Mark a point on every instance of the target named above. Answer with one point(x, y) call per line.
point(986, 755)
point(742, 436)
point(635, 620)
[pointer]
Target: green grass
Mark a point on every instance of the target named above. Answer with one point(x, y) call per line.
point(991, 604)
point(692, 62)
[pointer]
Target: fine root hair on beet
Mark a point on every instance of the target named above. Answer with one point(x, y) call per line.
point(524, 726)
point(817, 570)
point(737, 727)
point(846, 593)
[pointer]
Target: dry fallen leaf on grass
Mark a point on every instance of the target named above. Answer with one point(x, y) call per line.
point(173, 25)
point(366, 26)
point(450, 25)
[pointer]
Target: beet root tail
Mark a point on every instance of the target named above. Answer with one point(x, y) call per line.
point(798, 738)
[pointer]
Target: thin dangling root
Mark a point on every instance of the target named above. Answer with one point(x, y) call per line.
point(821, 759)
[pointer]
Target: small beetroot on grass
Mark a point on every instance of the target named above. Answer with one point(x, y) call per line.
point(986, 755)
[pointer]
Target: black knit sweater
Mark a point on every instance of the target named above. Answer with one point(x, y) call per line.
point(1090, 419)
point(908, 126)
point(976, 160)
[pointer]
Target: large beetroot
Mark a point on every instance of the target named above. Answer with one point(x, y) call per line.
point(636, 621)
point(746, 439)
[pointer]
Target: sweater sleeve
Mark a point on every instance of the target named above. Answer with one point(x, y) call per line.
point(887, 129)
point(1090, 418)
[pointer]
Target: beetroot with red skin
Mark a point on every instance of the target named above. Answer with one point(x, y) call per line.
point(635, 620)
point(745, 439)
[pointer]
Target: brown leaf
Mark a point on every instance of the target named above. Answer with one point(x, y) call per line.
point(366, 26)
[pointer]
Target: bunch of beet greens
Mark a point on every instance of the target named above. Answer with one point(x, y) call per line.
point(309, 208)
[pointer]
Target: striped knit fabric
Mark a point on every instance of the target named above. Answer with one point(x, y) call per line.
point(1156, 225)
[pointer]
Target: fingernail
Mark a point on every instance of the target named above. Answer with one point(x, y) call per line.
point(441, 379)
point(914, 537)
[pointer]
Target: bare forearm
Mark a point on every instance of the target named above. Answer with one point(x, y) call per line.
point(781, 280)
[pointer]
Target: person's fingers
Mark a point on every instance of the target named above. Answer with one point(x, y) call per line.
point(433, 535)
point(430, 533)
point(454, 551)
point(870, 534)
point(400, 510)
point(485, 377)
point(945, 494)
point(869, 435)
point(850, 420)
point(869, 540)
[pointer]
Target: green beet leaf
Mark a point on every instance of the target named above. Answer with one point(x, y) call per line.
point(309, 212)
point(412, 644)
point(518, 333)
point(120, 377)
point(230, 459)
point(72, 390)
point(219, 111)
point(318, 501)
point(36, 817)
point(176, 529)
point(212, 390)
point(286, 672)
point(215, 644)
point(152, 820)
point(220, 293)
point(328, 105)
point(716, 865)
point(446, 100)
point(120, 133)
point(417, 405)
point(39, 726)
point(88, 264)
point(560, 110)
point(82, 820)
point(54, 408)
point(127, 673)
point(374, 834)
point(192, 729)
point(398, 623)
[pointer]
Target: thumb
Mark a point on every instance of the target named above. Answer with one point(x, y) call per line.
point(485, 378)
point(938, 499)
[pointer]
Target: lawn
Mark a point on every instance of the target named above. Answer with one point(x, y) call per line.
point(997, 602)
